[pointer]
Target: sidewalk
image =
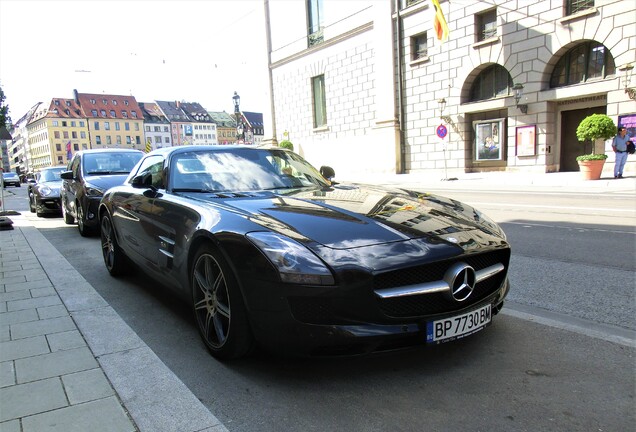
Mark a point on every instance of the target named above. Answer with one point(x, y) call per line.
point(68, 362)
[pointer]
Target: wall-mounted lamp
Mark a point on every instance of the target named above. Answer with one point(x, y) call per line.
point(518, 88)
point(442, 106)
point(627, 73)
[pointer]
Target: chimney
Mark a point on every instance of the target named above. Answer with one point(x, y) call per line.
point(76, 96)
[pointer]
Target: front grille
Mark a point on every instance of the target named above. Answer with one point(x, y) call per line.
point(437, 303)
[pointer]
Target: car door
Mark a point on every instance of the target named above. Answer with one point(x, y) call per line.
point(70, 185)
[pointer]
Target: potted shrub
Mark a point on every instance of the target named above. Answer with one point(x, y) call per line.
point(286, 144)
point(592, 128)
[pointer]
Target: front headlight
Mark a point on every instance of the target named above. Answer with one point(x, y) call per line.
point(93, 192)
point(294, 262)
point(45, 190)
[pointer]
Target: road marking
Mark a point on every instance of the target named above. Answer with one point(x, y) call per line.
point(582, 326)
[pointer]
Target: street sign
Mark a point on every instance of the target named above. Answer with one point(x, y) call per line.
point(441, 131)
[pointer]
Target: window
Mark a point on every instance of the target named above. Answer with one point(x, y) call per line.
point(319, 101)
point(419, 47)
point(96, 125)
point(133, 114)
point(106, 125)
point(314, 18)
point(127, 126)
point(153, 165)
point(117, 127)
point(63, 123)
point(93, 101)
point(58, 147)
point(158, 139)
point(94, 113)
point(56, 134)
point(55, 123)
point(488, 145)
point(104, 101)
point(167, 140)
point(73, 123)
point(586, 61)
point(114, 101)
point(166, 129)
point(76, 147)
point(486, 24)
point(492, 82)
point(65, 133)
point(102, 113)
point(124, 114)
point(138, 139)
point(136, 126)
point(82, 134)
point(98, 140)
point(81, 123)
point(575, 6)
point(128, 141)
point(118, 140)
point(112, 113)
point(109, 140)
point(74, 135)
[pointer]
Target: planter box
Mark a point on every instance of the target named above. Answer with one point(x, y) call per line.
point(592, 169)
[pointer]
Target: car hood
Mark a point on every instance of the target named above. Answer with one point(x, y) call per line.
point(106, 181)
point(350, 216)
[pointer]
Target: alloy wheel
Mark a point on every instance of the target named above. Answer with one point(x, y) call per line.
point(211, 301)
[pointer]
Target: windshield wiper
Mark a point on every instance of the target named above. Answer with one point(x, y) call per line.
point(192, 190)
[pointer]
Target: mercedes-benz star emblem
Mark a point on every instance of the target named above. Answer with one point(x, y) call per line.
point(460, 278)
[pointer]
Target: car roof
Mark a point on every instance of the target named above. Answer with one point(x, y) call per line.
point(108, 150)
point(207, 148)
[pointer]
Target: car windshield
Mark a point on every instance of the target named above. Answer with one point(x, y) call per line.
point(11, 175)
point(241, 170)
point(51, 174)
point(110, 163)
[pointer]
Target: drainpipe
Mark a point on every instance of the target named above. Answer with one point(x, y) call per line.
point(398, 30)
point(268, 33)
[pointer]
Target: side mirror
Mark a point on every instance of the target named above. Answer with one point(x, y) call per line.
point(67, 175)
point(142, 181)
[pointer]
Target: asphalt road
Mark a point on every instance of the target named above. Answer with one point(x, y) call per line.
point(555, 360)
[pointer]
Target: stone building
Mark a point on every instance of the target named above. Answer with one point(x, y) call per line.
point(369, 87)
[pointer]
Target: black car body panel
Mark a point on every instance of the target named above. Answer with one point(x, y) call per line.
point(391, 253)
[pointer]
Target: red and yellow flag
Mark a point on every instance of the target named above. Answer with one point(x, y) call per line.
point(439, 23)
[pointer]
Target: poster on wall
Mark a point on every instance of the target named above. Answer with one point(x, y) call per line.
point(525, 144)
point(628, 121)
point(488, 143)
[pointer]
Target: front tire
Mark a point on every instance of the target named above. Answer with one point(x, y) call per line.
point(219, 311)
point(31, 204)
point(68, 219)
point(81, 221)
point(114, 258)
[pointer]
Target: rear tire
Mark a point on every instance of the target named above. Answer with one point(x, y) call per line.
point(115, 260)
point(81, 222)
point(31, 204)
point(218, 306)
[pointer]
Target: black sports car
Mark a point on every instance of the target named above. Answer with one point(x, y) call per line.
point(44, 192)
point(90, 173)
point(270, 252)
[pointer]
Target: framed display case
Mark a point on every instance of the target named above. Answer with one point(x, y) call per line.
point(526, 140)
point(488, 140)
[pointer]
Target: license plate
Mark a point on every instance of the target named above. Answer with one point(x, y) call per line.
point(458, 326)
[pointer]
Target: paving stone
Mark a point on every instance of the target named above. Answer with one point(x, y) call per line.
point(32, 398)
point(14, 295)
point(52, 311)
point(21, 316)
point(18, 286)
point(3, 307)
point(41, 327)
point(5, 335)
point(81, 297)
point(105, 415)
point(10, 426)
point(7, 280)
point(54, 364)
point(66, 340)
point(33, 303)
point(7, 374)
point(22, 348)
point(43, 292)
point(86, 386)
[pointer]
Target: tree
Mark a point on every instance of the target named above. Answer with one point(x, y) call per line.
point(4, 111)
point(594, 127)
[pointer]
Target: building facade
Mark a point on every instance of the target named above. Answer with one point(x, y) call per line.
point(203, 128)
point(373, 89)
point(114, 121)
point(156, 126)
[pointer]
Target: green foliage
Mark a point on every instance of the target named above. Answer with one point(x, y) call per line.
point(286, 144)
point(595, 126)
point(4, 111)
point(591, 157)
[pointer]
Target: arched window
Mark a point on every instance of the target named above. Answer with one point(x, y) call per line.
point(492, 82)
point(586, 61)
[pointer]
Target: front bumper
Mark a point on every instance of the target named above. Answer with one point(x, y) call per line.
point(45, 205)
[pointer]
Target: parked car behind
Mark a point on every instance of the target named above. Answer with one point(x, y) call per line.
point(267, 251)
point(44, 191)
point(10, 179)
point(90, 173)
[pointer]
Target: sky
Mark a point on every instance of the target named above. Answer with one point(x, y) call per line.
point(187, 50)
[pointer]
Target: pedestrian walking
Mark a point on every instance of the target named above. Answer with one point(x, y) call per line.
point(619, 145)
